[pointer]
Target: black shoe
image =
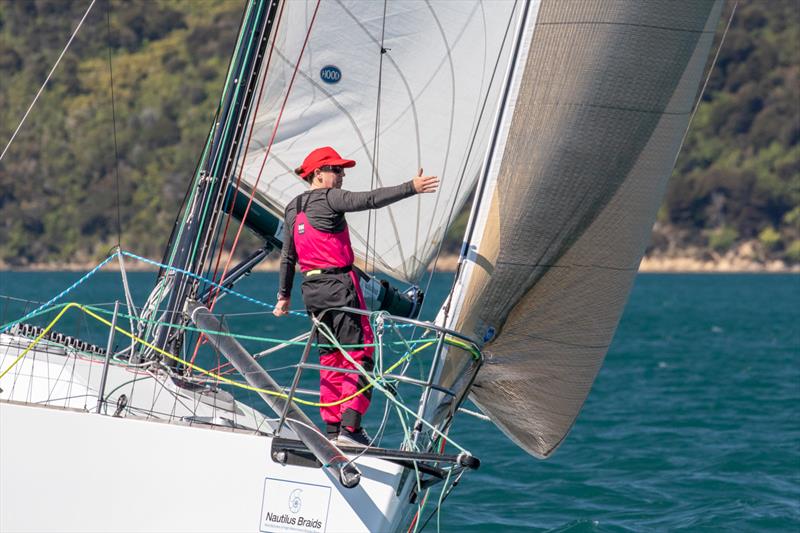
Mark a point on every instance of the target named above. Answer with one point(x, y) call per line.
point(358, 437)
point(332, 431)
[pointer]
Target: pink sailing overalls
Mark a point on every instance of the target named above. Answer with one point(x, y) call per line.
point(326, 260)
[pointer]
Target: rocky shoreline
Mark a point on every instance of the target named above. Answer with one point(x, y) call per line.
point(694, 261)
point(678, 265)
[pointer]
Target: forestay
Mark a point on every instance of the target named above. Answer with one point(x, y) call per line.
point(600, 100)
point(429, 101)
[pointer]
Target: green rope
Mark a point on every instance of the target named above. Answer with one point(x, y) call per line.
point(377, 385)
point(204, 157)
point(221, 159)
point(227, 333)
point(408, 344)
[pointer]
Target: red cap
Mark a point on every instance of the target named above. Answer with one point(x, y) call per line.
point(325, 156)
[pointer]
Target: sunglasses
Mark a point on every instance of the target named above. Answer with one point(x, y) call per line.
point(331, 168)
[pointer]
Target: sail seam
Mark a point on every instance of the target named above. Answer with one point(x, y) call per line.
point(283, 105)
point(615, 108)
point(575, 265)
point(406, 87)
point(449, 55)
point(442, 228)
point(631, 24)
point(359, 134)
point(510, 335)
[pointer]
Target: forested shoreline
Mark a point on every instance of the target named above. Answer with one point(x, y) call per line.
point(735, 191)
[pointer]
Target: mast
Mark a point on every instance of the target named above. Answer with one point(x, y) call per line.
point(195, 231)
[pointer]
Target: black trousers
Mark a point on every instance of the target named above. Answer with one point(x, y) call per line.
point(326, 291)
point(339, 390)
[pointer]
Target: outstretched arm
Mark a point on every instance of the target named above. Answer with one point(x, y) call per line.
point(347, 201)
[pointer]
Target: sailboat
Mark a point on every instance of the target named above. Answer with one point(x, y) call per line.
point(563, 118)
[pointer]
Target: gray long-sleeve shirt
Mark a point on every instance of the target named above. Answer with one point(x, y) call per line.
point(325, 209)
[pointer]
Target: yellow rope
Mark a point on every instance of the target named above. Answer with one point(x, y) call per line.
point(197, 368)
point(37, 339)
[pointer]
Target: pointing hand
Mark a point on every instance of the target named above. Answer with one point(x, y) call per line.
point(423, 184)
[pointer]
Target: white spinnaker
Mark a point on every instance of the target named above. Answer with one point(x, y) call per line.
point(600, 105)
point(440, 79)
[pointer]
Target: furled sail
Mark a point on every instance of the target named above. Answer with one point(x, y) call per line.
point(601, 96)
point(428, 101)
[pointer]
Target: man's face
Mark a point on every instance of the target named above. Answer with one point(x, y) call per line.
point(331, 177)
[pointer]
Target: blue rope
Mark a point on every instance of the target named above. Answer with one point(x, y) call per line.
point(208, 281)
point(154, 263)
point(217, 285)
point(61, 294)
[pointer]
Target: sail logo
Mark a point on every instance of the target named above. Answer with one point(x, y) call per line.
point(330, 74)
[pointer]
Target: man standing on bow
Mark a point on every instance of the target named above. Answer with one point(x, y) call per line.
point(317, 237)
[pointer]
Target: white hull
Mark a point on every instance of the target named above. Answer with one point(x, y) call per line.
point(64, 467)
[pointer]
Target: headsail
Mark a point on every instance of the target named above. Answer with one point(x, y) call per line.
point(601, 99)
point(428, 100)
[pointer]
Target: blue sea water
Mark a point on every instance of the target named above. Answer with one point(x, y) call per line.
point(693, 423)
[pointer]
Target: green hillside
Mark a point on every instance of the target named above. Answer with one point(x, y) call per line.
point(58, 181)
point(738, 176)
point(737, 179)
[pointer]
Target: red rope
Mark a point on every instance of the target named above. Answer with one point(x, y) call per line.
point(214, 294)
point(416, 516)
point(244, 157)
point(266, 154)
point(272, 139)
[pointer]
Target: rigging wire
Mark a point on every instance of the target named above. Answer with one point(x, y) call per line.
point(705, 83)
point(113, 121)
point(243, 157)
point(229, 132)
point(221, 246)
point(375, 152)
point(35, 98)
point(194, 211)
point(267, 151)
point(177, 225)
point(275, 129)
point(183, 215)
point(469, 152)
point(476, 206)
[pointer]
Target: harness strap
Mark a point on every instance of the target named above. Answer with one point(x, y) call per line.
point(334, 270)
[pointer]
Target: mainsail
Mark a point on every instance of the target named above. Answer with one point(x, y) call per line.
point(395, 86)
point(600, 100)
